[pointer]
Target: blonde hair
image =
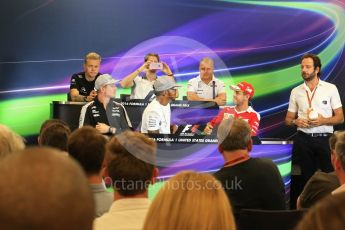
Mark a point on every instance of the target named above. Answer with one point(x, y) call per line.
point(92, 56)
point(190, 200)
point(207, 60)
point(9, 141)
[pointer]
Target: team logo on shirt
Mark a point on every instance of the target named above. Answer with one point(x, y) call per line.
point(324, 102)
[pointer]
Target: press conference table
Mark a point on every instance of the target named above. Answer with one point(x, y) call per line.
point(183, 112)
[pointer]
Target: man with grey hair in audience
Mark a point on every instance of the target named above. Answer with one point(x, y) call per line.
point(253, 183)
point(42, 189)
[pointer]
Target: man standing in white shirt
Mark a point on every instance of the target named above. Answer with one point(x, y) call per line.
point(141, 80)
point(314, 108)
point(206, 87)
point(156, 116)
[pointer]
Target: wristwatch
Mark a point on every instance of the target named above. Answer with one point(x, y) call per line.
point(293, 122)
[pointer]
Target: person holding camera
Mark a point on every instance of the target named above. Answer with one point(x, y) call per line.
point(142, 79)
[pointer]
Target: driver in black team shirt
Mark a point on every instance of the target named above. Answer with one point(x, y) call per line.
point(83, 83)
point(104, 113)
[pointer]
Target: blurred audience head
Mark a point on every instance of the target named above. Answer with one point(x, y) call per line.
point(329, 213)
point(54, 133)
point(190, 200)
point(130, 158)
point(9, 141)
point(47, 191)
point(234, 134)
point(87, 146)
point(340, 150)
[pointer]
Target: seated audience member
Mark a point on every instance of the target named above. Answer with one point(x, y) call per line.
point(54, 133)
point(130, 161)
point(190, 200)
point(141, 80)
point(49, 122)
point(327, 214)
point(338, 162)
point(47, 191)
point(206, 87)
point(320, 184)
point(104, 113)
point(87, 146)
point(9, 141)
point(243, 93)
point(157, 115)
point(253, 183)
point(83, 83)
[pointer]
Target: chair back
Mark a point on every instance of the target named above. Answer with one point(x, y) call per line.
point(269, 219)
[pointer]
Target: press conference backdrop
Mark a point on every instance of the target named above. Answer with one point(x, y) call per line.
point(43, 42)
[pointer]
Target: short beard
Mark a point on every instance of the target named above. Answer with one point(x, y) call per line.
point(310, 78)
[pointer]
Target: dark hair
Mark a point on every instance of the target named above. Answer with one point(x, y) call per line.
point(49, 122)
point(87, 146)
point(55, 135)
point(234, 134)
point(130, 162)
point(151, 55)
point(316, 61)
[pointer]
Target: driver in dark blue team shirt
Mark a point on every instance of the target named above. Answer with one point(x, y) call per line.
point(83, 83)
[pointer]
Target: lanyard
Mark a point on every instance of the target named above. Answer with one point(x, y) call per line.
point(312, 96)
point(236, 160)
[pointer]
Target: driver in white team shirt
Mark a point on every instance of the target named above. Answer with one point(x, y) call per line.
point(157, 115)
